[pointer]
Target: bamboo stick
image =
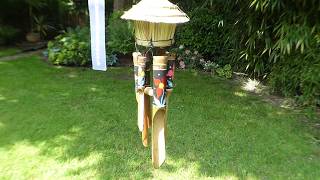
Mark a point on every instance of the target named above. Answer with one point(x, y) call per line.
point(140, 90)
point(170, 86)
point(136, 67)
point(159, 110)
point(147, 104)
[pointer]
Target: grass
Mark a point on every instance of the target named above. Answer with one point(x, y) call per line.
point(74, 123)
point(8, 52)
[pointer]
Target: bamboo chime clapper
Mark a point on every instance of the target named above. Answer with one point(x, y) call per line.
point(155, 23)
point(142, 81)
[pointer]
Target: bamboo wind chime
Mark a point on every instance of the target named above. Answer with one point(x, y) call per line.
point(155, 24)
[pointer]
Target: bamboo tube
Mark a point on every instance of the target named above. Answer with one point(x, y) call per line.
point(169, 88)
point(147, 104)
point(148, 109)
point(158, 137)
point(159, 110)
point(170, 71)
point(169, 92)
point(141, 111)
point(140, 90)
point(136, 67)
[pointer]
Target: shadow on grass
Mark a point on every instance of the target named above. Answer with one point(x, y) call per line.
point(85, 122)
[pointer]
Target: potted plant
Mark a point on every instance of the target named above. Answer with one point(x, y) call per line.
point(33, 35)
point(41, 27)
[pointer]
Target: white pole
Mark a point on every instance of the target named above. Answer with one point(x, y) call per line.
point(97, 29)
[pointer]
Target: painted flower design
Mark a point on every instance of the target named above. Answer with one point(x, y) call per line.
point(170, 75)
point(141, 80)
point(160, 83)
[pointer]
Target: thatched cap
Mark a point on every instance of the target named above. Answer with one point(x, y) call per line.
point(156, 11)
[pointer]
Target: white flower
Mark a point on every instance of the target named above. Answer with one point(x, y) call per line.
point(181, 47)
point(187, 52)
point(196, 52)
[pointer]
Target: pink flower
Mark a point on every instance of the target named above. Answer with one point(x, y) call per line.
point(182, 65)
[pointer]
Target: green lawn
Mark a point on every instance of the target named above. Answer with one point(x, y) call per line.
point(8, 52)
point(75, 123)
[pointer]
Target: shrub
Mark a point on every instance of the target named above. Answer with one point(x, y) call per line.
point(225, 72)
point(71, 48)
point(8, 35)
point(120, 34)
point(206, 33)
point(300, 78)
point(112, 60)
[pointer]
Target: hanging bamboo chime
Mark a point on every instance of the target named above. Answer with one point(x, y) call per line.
point(155, 23)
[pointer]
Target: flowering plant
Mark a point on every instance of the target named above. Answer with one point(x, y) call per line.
point(194, 60)
point(209, 66)
point(187, 58)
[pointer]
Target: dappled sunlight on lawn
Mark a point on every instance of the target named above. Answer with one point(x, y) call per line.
point(93, 89)
point(240, 94)
point(13, 101)
point(1, 125)
point(85, 128)
point(2, 98)
point(2, 63)
point(29, 162)
point(72, 75)
point(178, 169)
point(58, 67)
point(185, 169)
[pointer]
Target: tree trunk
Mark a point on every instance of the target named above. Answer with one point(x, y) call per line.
point(119, 5)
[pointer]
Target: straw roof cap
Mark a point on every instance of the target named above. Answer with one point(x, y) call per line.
point(156, 11)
